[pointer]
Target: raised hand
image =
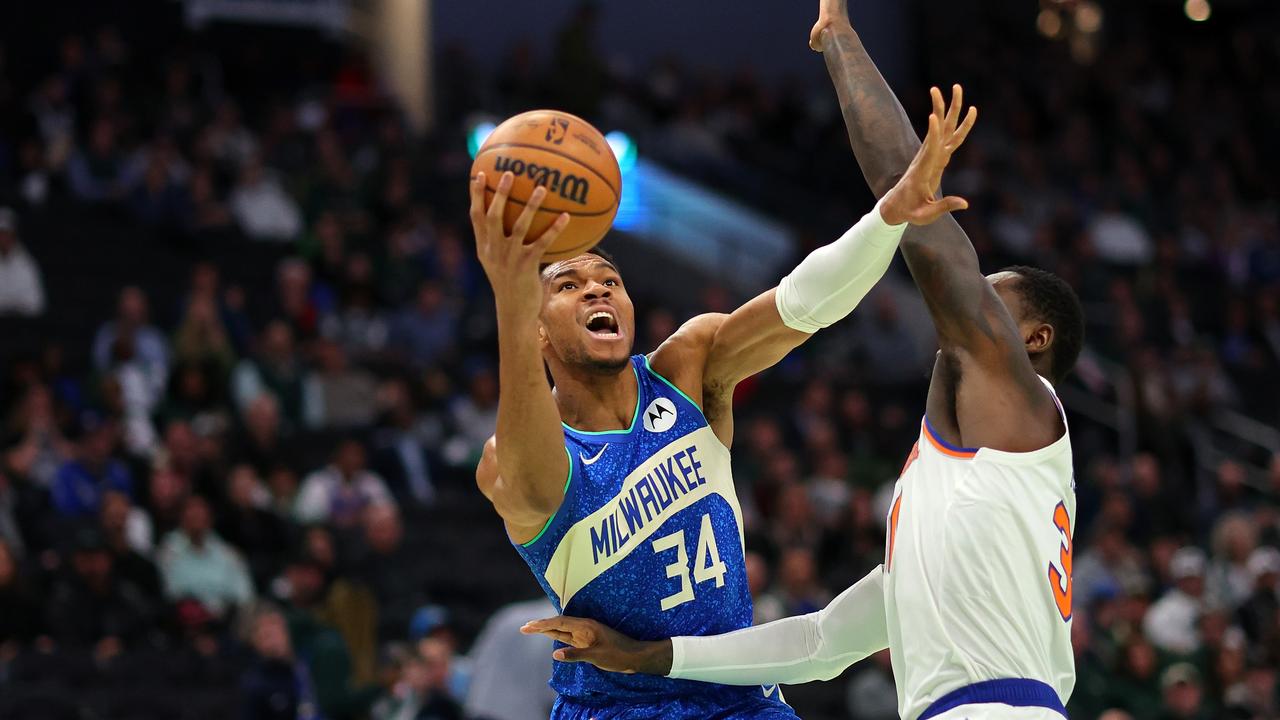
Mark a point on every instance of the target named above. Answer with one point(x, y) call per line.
point(510, 263)
point(914, 199)
point(604, 647)
point(829, 12)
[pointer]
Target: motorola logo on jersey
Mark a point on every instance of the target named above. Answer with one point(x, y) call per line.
point(660, 415)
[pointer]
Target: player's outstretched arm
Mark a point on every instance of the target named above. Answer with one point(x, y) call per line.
point(974, 328)
point(805, 648)
point(524, 466)
point(828, 284)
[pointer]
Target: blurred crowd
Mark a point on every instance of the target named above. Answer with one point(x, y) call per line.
point(213, 487)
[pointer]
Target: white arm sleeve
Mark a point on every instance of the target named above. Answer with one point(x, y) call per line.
point(817, 646)
point(828, 284)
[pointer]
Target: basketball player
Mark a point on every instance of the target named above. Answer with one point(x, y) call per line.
point(974, 597)
point(615, 486)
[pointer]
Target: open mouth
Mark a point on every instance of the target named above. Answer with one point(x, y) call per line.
point(603, 325)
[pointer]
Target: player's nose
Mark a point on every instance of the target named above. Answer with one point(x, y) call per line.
point(595, 290)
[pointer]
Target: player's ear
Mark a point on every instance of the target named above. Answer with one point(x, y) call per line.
point(1040, 338)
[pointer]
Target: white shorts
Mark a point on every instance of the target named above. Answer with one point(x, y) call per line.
point(998, 711)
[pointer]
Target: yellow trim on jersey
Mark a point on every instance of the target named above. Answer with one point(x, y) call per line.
point(687, 470)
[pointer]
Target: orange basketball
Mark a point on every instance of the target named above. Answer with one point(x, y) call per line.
point(575, 163)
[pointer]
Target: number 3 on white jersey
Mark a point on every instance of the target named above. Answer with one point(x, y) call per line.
point(706, 566)
point(1060, 579)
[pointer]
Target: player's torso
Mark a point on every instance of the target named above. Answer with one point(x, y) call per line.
point(978, 569)
point(648, 539)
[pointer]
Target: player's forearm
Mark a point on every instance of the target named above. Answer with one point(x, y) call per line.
point(879, 130)
point(817, 646)
point(530, 442)
point(940, 256)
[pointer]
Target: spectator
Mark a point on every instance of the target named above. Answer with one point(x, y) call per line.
point(276, 369)
point(797, 587)
point(249, 526)
point(276, 685)
point(21, 290)
point(401, 447)
point(511, 669)
point(474, 417)
point(1183, 694)
point(80, 483)
point(325, 653)
point(202, 339)
point(766, 607)
point(1260, 614)
point(262, 208)
point(387, 568)
point(344, 396)
point(1172, 622)
point(340, 492)
point(147, 343)
point(40, 449)
point(259, 442)
point(361, 328)
point(1136, 684)
point(195, 563)
point(126, 531)
point(96, 174)
point(422, 692)
point(90, 607)
point(425, 333)
point(1228, 580)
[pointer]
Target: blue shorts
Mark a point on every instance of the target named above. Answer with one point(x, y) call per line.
point(771, 707)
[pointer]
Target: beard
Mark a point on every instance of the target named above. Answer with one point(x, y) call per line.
point(579, 357)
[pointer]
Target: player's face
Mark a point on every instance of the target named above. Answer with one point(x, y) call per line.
point(587, 316)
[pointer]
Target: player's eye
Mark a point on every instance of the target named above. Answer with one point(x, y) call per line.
point(568, 286)
point(612, 282)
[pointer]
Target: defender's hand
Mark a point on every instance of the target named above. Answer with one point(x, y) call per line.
point(604, 647)
point(510, 263)
point(830, 12)
point(914, 199)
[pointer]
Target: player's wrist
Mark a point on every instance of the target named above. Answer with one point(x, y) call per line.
point(654, 657)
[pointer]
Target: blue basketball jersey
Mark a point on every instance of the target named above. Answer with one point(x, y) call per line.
point(648, 540)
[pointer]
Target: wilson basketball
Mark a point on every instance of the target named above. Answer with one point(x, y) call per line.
point(572, 159)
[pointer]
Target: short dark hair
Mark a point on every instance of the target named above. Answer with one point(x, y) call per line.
point(597, 251)
point(1051, 300)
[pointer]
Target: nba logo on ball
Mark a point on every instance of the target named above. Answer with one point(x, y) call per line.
point(660, 415)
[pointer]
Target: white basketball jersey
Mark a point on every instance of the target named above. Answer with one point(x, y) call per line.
point(978, 569)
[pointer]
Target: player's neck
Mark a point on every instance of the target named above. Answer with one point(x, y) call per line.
point(597, 402)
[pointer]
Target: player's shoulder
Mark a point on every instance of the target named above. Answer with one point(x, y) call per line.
point(689, 343)
point(682, 357)
point(693, 337)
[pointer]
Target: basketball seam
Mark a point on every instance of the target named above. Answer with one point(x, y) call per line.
point(564, 155)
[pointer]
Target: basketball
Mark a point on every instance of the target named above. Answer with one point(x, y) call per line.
point(572, 159)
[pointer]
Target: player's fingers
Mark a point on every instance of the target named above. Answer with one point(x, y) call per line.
point(954, 203)
point(962, 133)
point(498, 208)
point(559, 622)
point(521, 228)
point(572, 655)
point(957, 102)
point(477, 202)
point(939, 107)
point(539, 247)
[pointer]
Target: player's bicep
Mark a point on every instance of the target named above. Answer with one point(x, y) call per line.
point(751, 339)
